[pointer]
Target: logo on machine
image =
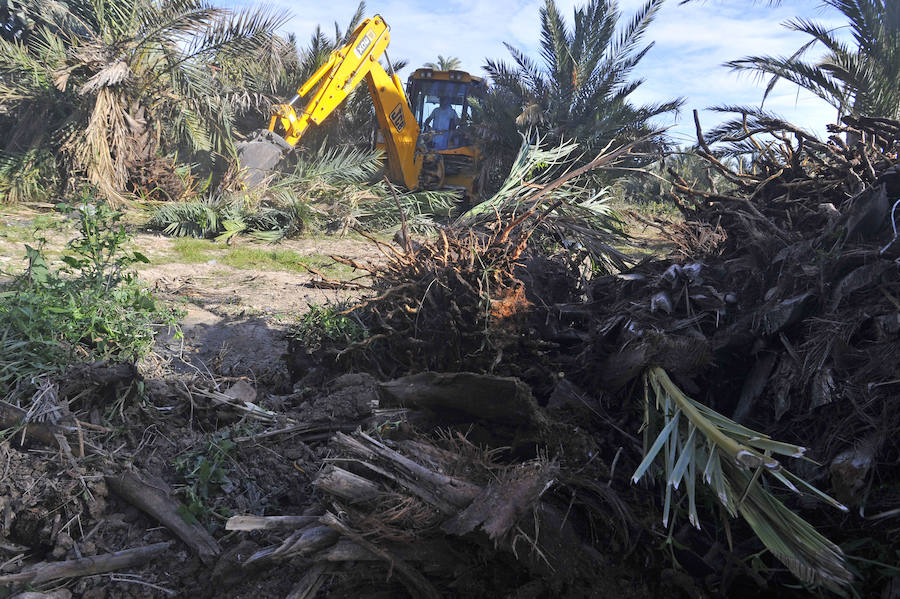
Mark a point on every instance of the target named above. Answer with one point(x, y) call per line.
point(364, 44)
point(397, 118)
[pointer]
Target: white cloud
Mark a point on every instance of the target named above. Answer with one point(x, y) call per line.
point(691, 43)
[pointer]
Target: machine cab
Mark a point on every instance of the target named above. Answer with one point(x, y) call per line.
point(442, 102)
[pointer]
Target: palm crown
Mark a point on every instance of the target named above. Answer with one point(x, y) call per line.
point(106, 75)
point(580, 89)
point(862, 78)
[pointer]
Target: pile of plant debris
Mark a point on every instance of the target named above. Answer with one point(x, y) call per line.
point(472, 428)
point(778, 312)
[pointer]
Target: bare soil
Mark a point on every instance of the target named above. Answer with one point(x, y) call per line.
point(161, 426)
point(233, 328)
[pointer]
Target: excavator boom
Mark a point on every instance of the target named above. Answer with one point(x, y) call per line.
point(443, 157)
point(330, 85)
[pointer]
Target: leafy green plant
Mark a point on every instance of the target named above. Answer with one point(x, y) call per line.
point(205, 473)
point(97, 255)
point(324, 325)
point(697, 444)
point(90, 308)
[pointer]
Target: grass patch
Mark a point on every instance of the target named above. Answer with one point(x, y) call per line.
point(189, 250)
point(248, 258)
point(17, 233)
point(33, 232)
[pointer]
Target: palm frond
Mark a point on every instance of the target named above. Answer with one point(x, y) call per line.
point(864, 79)
point(196, 218)
point(696, 440)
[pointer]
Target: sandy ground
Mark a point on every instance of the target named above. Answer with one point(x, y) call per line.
point(235, 319)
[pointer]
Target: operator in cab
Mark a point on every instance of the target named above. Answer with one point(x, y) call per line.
point(443, 120)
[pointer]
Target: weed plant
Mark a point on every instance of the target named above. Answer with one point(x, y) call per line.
point(90, 308)
point(325, 326)
point(205, 474)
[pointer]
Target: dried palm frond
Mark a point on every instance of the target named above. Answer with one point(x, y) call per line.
point(102, 148)
point(125, 80)
point(730, 458)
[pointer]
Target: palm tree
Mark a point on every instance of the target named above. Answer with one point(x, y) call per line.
point(113, 84)
point(580, 88)
point(451, 63)
point(862, 78)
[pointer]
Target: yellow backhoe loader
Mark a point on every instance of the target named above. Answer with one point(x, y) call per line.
point(426, 146)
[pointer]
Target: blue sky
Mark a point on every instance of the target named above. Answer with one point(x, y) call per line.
point(691, 43)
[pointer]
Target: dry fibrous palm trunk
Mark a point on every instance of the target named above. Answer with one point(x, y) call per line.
point(461, 295)
point(426, 508)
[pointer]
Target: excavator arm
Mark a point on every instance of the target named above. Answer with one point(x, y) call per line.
point(332, 83)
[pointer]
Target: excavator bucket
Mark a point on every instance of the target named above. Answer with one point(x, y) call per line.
point(260, 154)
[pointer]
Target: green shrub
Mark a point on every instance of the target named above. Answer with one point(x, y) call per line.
point(325, 326)
point(90, 308)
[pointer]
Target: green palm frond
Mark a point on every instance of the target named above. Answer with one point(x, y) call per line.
point(29, 176)
point(449, 63)
point(335, 165)
point(533, 165)
point(329, 183)
point(196, 218)
point(582, 220)
point(580, 89)
point(752, 121)
point(695, 441)
point(863, 78)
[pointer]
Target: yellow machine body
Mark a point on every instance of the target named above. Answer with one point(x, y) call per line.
point(411, 160)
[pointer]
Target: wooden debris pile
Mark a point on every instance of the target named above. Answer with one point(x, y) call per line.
point(429, 510)
point(781, 311)
point(406, 514)
point(787, 319)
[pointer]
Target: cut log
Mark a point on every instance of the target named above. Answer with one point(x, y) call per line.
point(158, 505)
point(305, 541)
point(464, 396)
point(247, 523)
point(504, 502)
point(445, 493)
point(412, 579)
point(346, 485)
point(310, 584)
point(86, 566)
